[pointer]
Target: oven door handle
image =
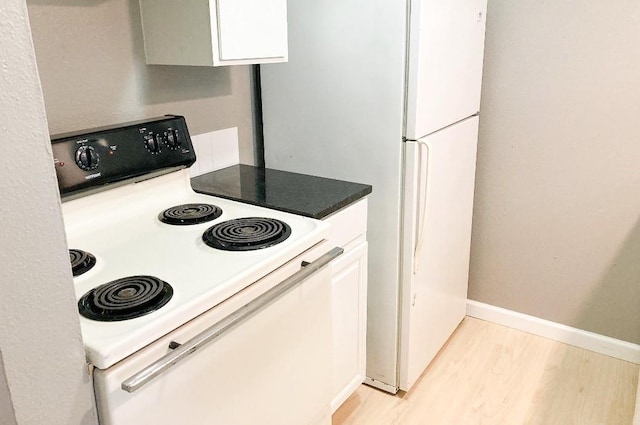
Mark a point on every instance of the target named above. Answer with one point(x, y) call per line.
point(221, 327)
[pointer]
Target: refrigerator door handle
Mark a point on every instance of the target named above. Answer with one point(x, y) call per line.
point(423, 193)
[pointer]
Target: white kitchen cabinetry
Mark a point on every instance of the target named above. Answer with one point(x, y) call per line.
point(214, 32)
point(349, 300)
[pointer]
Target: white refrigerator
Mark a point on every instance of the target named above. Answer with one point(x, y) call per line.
point(388, 93)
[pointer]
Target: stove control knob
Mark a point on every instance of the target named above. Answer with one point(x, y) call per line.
point(172, 139)
point(87, 158)
point(153, 143)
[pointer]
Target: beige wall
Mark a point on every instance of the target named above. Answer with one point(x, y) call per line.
point(43, 373)
point(556, 230)
point(91, 60)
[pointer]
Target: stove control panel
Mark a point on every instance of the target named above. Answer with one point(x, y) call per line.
point(95, 158)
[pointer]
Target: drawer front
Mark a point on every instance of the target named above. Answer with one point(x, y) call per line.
point(348, 224)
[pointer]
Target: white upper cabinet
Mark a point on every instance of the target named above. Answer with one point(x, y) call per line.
point(215, 32)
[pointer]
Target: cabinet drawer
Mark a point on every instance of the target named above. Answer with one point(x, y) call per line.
point(348, 224)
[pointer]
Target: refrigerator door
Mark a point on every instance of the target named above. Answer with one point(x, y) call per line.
point(446, 48)
point(438, 204)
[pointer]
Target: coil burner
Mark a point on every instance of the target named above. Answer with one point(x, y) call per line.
point(246, 234)
point(81, 261)
point(186, 214)
point(125, 298)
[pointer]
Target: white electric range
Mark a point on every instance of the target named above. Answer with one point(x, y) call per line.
point(190, 305)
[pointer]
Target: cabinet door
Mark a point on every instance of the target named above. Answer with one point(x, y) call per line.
point(349, 320)
point(445, 72)
point(252, 29)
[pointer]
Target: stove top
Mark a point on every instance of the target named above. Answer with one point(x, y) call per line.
point(122, 229)
point(152, 269)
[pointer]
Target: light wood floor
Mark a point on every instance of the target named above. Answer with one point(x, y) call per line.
point(488, 374)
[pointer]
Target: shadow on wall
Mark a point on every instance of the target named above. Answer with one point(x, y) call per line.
point(68, 3)
point(162, 84)
point(7, 414)
point(615, 298)
point(92, 67)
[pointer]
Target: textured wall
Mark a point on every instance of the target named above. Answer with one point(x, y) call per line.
point(556, 230)
point(91, 60)
point(42, 354)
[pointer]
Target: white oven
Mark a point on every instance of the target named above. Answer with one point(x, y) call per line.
point(193, 309)
point(272, 368)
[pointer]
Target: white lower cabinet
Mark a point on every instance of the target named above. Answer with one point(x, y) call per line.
point(349, 281)
point(349, 301)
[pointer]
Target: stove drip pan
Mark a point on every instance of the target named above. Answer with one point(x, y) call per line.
point(125, 298)
point(186, 214)
point(246, 234)
point(81, 261)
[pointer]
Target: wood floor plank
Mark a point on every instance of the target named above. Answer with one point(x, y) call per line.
point(479, 378)
point(488, 374)
point(580, 387)
point(370, 406)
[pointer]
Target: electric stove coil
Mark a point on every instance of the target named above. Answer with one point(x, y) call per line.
point(187, 214)
point(125, 298)
point(246, 234)
point(81, 261)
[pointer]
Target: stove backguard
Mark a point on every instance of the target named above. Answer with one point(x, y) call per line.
point(92, 159)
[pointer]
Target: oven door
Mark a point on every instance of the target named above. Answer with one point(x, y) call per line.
point(272, 368)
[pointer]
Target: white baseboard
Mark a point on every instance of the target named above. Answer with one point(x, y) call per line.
point(346, 393)
point(577, 337)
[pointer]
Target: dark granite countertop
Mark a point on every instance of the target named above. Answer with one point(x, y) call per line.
point(311, 196)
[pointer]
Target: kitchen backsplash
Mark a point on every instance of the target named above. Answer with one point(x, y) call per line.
point(215, 150)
